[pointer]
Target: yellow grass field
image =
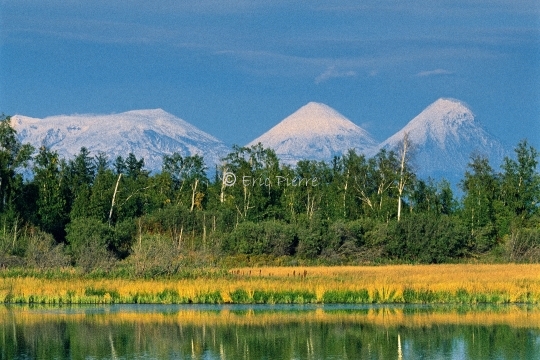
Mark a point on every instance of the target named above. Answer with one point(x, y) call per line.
point(461, 283)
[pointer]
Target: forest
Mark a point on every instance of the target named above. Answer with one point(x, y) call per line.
point(101, 215)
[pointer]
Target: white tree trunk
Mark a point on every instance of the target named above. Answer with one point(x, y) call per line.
point(114, 197)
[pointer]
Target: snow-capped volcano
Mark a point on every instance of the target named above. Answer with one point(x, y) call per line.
point(149, 134)
point(315, 132)
point(444, 136)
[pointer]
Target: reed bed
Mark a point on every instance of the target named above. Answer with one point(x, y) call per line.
point(451, 284)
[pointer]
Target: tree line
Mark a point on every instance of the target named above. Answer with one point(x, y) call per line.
point(93, 212)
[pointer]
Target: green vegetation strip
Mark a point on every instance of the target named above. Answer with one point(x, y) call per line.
point(241, 296)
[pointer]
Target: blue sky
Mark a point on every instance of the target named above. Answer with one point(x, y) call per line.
point(234, 68)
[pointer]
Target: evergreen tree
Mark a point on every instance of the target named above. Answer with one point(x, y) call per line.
point(80, 177)
point(14, 156)
point(51, 202)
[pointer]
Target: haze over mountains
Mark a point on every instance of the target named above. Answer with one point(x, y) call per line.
point(444, 135)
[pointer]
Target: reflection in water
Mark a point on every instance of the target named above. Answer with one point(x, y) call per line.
point(269, 332)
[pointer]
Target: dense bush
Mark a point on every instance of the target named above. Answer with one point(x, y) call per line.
point(154, 255)
point(426, 239)
point(523, 246)
point(42, 252)
point(89, 242)
point(268, 237)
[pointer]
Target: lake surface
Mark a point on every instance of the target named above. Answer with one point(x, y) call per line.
point(269, 332)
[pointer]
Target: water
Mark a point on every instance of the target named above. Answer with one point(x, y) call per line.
point(269, 332)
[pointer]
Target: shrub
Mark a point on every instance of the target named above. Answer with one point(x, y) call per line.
point(523, 246)
point(269, 237)
point(43, 253)
point(153, 256)
point(89, 240)
point(282, 238)
point(426, 239)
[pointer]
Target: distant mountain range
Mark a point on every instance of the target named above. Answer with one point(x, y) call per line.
point(444, 136)
point(149, 134)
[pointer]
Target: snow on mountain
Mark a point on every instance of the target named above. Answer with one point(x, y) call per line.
point(444, 136)
point(149, 134)
point(315, 132)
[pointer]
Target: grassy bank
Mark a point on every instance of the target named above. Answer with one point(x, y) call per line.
point(448, 284)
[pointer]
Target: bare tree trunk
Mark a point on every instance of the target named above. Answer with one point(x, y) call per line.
point(399, 207)
point(193, 192)
point(223, 185)
point(247, 199)
point(140, 235)
point(15, 232)
point(180, 237)
point(204, 232)
point(402, 180)
point(345, 194)
point(114, 197)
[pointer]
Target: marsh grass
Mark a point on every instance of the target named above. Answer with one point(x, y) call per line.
point(418, 284)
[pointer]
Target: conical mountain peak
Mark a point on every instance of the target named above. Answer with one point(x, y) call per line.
point(445, 111)
point(314, 118)
point(445, 118)
point(315, 132)
point(444, 135)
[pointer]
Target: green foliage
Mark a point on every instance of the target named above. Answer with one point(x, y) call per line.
point(281, 237)
point(51, 200)
point(14, 157)
point(429, 197)
point(421, 238)
point(89, 242)
point(123, 238)
point(268, 237)
point(240, 296)
point(520, 184)
point(479, 204)
point(351, 210)
point(42, 252)
point(312, 239)
point(425, 296)
point(346, 297)
point(154, 256)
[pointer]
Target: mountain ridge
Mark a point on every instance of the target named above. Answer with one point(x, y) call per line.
point(444, 135)
point(149, 134)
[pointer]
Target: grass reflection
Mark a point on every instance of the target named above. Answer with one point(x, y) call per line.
point(386, 316)
point(269, 332)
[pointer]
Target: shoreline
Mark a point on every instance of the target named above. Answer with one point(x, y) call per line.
point(389, 284)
